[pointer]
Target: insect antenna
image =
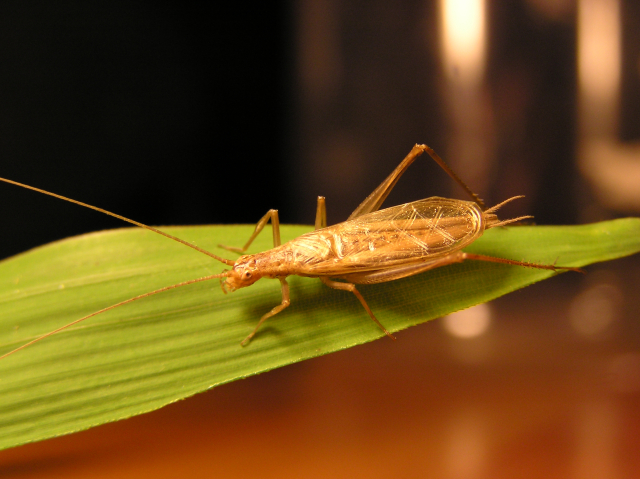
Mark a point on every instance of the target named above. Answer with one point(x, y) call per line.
point(133, 222)
point(113, 306)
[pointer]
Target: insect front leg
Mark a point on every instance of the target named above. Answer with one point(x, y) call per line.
point(275, 225)
point(352, 288)
point(285, 302)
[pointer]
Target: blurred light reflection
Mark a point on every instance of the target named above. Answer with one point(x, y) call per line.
point(599, 66)
point(593, 310)
point(611, 166)
point(463, 53)
point(468, 323)
point(463, 40)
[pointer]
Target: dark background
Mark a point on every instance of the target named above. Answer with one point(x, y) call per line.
point(164, 112)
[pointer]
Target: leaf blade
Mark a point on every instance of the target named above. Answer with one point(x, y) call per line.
point(168, 347)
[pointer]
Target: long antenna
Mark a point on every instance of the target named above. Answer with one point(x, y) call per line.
point(133, 222)
point(113, 306)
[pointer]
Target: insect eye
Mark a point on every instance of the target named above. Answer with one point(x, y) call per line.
point(246, 275)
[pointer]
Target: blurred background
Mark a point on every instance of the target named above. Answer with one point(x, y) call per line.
point(172, 113)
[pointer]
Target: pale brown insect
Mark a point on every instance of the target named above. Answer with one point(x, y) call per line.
point(372, 246)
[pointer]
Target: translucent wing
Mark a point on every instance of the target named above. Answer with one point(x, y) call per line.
point(411, 233)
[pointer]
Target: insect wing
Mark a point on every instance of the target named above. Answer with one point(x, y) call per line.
point(404, 234)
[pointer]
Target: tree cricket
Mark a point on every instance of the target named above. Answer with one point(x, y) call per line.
point(371, 246)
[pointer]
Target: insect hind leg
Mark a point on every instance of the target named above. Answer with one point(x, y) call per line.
point(377, 197)
point(493, 259)
point(352, 289)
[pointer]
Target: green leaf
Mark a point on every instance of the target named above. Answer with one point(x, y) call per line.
point(149, 353)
